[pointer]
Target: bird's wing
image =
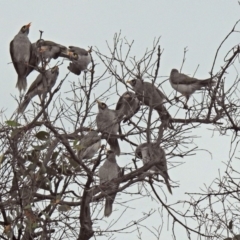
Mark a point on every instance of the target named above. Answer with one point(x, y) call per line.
point(119, 103)
point(184, 79)
point(12, 56)
point(36, 83)
point(74, 68)
point(78, 50)
point(51, 43)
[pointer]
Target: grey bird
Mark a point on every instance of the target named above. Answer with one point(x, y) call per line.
point(151, 96)
point(80, 59)
point(89, 145)
point(153, 152)
point(108, 123)
point(46, 50)
point(127, 105)
point(187, 85)
point(41, 86)
point(107, 172)
point(20, 50)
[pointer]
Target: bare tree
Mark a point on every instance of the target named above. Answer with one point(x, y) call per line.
point(49, 191)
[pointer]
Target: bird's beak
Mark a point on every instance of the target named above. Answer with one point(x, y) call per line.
point(99, 102)
point(128, 81)
point(28, 25)
point(106, 150)
point(54, 68)
point(126, 96)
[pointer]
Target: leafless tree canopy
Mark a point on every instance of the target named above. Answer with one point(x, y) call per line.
point(48, 191)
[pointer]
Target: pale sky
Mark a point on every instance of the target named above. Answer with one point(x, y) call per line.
point(198, 25)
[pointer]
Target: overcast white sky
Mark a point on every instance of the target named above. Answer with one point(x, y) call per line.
point(199, 25)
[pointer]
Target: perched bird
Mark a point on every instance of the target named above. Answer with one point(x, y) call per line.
point(107, 172)
point(80, 59)
point(153, 152)
point(41, 86)
point(151, 96)
point(20, 50)
point(89, 145)
point(187, 85)
point(127, 105)
point(108, 122)
point(46, 50)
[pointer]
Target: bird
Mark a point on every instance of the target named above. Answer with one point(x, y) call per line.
point(20, 51)
point(151, 96)
point(187, 85)
point(107, 172)
point(153, 152)
point(41, 86)
point(107, 121)
point(89, 145)
point(80, 58)
point(46, 50)
point(127, 105)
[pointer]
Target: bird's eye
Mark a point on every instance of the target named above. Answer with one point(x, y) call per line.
point(134, 81)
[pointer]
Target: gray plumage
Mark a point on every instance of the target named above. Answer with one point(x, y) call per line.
point(34, 59)
point(127, 105)
point(107, 172)
point(153, 152)
point(47, 50)
point(89, 145)
point(41, 86)
point(151, 96)
point(20, 50)
point(187, 85)
point(108, 123)
point(80, 59)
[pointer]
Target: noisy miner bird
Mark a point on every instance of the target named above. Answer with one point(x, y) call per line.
point(127, 105)
point(41, 86)
point(187, 85)
point(151, 96)
point(20, 50)
point(80, 59)
point(46, 50)
point(89, 145)
point(107, 172)
point(153, 152)
point(108, 123)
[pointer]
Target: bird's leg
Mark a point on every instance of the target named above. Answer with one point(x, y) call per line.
point(185, 104)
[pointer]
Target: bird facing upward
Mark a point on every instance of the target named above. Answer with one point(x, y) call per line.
point(41, 86)
point(20, 50)
point(108, 122)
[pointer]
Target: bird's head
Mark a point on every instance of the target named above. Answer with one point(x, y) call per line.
point(110, 153)
point(132, 82)
point(127, 96)
point(174, 72)
point(25, 28)
point(73, 55)
point(101, 105)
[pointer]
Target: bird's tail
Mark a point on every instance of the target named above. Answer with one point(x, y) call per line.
point(113, 142)
point(165, 116)
point(108, 207)
point(24, 104)
point(210, 82)
point(21, 83)
point(168, 185)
